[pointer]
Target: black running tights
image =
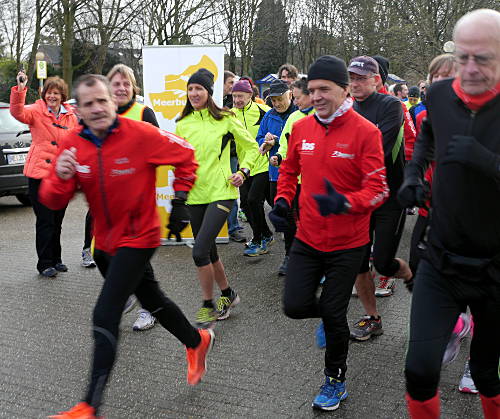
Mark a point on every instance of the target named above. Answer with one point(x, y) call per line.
point(128, 272)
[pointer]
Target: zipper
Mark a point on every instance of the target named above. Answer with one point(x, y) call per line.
point(107, 213)
point(471, 122)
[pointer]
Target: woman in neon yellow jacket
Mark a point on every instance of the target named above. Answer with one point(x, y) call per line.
point(210, 129)
point(255, 191)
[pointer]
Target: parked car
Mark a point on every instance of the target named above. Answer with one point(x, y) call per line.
point(15, 141)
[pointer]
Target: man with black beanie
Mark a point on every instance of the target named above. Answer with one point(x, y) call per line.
point(339, 155)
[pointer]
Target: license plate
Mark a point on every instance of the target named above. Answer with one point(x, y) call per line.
point(16, 158)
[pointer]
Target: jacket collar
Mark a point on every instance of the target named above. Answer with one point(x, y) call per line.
point(126, 107)
point(87, 134)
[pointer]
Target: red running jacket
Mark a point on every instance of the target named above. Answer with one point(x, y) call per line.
point(118, 179)
point(349, 153)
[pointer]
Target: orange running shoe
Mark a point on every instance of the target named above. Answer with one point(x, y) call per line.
point(81, 411)
point(197, 357)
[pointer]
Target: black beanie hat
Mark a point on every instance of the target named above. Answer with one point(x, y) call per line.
point(204, 78)
point(383, 67)
point(329, 67)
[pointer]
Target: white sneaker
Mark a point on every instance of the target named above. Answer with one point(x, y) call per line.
point(145, 320)
point(87, 259)
point(385, 287)
point(466, 382)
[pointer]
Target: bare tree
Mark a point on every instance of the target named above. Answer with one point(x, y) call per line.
point(16, 27)
point(174, 22)
point(109, 21)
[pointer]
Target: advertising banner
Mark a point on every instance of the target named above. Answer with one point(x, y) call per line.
point(166, 70)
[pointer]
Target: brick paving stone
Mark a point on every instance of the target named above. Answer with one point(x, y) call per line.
point(263, 365)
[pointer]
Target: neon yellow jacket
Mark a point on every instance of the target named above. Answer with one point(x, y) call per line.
point(250, 116)
point(210, 138)
point(287, 129)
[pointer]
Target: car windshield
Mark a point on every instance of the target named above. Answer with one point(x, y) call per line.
point(10, 124)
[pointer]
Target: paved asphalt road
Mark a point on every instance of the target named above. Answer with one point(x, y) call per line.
point(263, 365)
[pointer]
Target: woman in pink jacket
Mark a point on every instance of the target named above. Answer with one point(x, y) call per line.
point(49, 121)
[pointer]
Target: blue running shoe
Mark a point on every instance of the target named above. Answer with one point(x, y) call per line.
point(268, 240)
point(254, 249)
point(320, 336)
point(330, 395)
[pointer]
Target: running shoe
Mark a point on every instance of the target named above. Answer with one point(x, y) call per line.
point(242, 216)
point(254, 249)
point(145, 321)
point(282, 269)
point(206, 317)
point(49, 272)
point(466, 382)
point(224, 304)
point(269, 240)
point(197, 357)
point(330, 395)
point(81, 411)
point(365, 328)
point(61, 267)
point(130, 304)
point(237, 237)
point(385, 287)
point(320, 336)
point(87, 259)
point(453, 347)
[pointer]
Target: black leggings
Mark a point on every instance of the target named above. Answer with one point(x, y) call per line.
point(291, 216)
point(206, 223)
point(436, 304)
point(87, 241)
point(128, 272)
point(306, 267)
point(258, 187)
point(48, 229)
point(387, 225)
point(417, 242)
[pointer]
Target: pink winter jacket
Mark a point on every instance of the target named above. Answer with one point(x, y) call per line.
point(46, 131)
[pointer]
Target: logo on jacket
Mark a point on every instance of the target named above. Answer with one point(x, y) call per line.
point(122, 172)
point(307, 146)
point(342, 155)
point(122, 160)
point(82, 168)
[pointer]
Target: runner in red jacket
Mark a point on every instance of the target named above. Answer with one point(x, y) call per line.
point(339, 150)
point(113, 160)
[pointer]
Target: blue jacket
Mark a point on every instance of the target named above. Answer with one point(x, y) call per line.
point(274, 123)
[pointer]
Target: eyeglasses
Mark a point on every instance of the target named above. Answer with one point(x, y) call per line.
point(480, 60)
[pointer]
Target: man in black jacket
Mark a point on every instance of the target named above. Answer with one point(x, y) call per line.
point(461, 267)
point(386, 222)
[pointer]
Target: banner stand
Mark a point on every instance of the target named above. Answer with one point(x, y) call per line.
point(166, 70)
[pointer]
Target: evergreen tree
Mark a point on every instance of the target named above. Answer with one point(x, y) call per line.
point(270, 37)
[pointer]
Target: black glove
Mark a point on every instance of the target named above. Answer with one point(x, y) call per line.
point(179, 219)
point(280, 158)
point(278, 215)
point(331, 203)
point(414, 192)
point(466, 150)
